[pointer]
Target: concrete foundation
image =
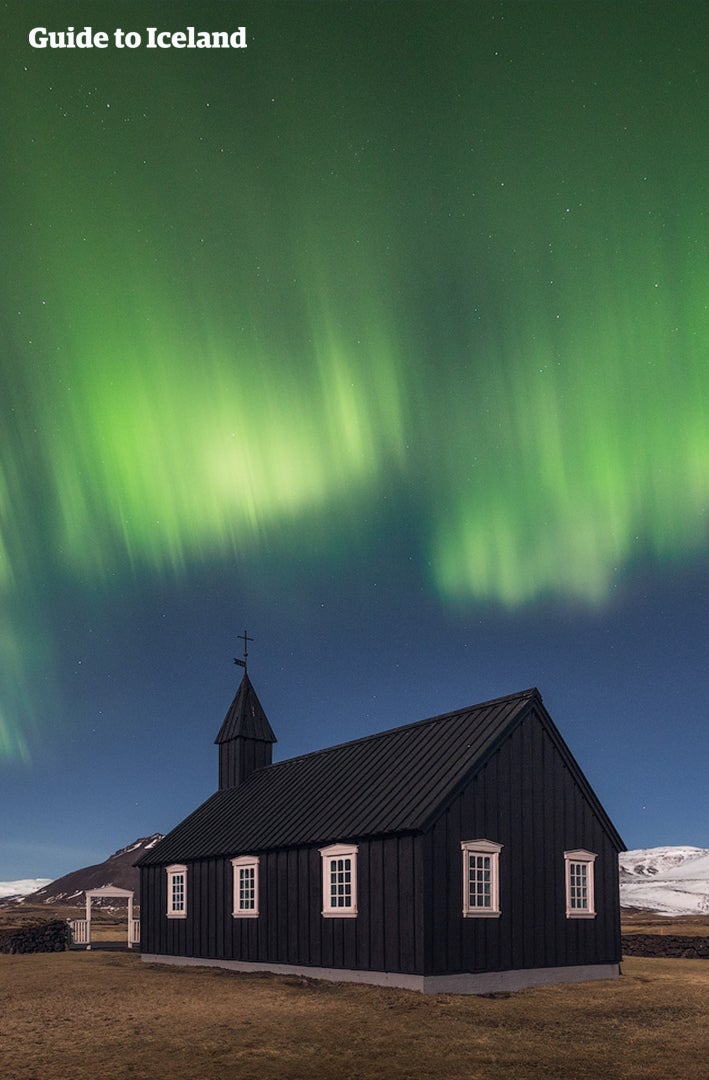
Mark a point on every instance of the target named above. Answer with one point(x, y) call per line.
point(482, 982)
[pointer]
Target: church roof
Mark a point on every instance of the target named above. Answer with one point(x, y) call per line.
point(396, 781)
point(245, 717)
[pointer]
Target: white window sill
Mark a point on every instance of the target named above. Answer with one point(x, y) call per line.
point(177, 914)
point(244, 914)
point(580, 914)
point(350, 914)
point(482, 914)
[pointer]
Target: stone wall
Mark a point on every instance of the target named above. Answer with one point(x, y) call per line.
point(52, 936)
point(672, 945)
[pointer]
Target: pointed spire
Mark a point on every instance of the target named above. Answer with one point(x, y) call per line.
point(245, 738)
point(246, 718)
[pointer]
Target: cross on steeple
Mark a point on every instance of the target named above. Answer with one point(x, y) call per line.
point(245, 637)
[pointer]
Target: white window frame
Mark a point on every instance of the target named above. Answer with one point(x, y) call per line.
point(245, 862)
point(485, 849)
point(174, 871)
point(586, 859)
point(330, 855)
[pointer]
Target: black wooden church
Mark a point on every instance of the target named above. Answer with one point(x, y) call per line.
point(466, 853)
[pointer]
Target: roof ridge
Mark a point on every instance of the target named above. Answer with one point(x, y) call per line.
point(522, 694)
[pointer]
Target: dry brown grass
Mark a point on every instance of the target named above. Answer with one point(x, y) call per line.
point(645, 922)
point(75, 1016)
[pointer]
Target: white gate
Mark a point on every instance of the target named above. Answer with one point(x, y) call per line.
point(82, 934)
point(79, 931)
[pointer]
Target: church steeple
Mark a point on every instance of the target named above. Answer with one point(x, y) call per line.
point(245, 739)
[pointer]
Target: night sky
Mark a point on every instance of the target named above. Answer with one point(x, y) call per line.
point(385, 338)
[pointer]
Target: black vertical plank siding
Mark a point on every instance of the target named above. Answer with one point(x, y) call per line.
point(335, 928)
point(418, 915)
point(610, 886)
point(146, 896)
point(259, 940)
point(454, 935)
point(222, 870)
point(200, 916)
point(183, 929)
point(239, 757)
point(532, 807)
point(552, 880)
point(528, 857)
point(504, 817)
point(364, 905)
point(151, 934)
point(209, 901)
point(230, 926)
point(162, 922)
point(425, 848)
point(271, 919)
point(377, 927)
point(407, 901)
point(350, 931)
point(441, 867)
point(327, 938)
point(212, 901)
point(315, 920)
point(304, 918)
point(391, 905)
point(515, 847)
point(290, 901)
point(282, 904)
point(195, 925)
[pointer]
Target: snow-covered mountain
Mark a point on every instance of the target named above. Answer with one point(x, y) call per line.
point(665, 880)
point(10, 890)
point(117, 870)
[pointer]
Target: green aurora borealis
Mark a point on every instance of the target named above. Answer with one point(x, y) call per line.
point(451, 274)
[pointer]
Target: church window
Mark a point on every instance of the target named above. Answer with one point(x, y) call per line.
point(580, 893)
point(481, 879)
point(339, 868)
point(177, 892)
point(245, 887)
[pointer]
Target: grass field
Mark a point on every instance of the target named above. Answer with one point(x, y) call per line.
point(643, 922)
point(78, 1016)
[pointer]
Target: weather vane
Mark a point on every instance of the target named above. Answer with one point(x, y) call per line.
point(246, 639)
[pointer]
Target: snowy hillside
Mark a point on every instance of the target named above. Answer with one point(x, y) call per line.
point(666, 880)
point(21, 887)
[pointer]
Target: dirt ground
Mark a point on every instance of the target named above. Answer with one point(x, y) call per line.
point(78, 1016)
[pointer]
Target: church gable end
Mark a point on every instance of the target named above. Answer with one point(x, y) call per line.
point(531, 798)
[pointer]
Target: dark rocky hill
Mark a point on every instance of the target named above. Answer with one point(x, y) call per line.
point(117, 870)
